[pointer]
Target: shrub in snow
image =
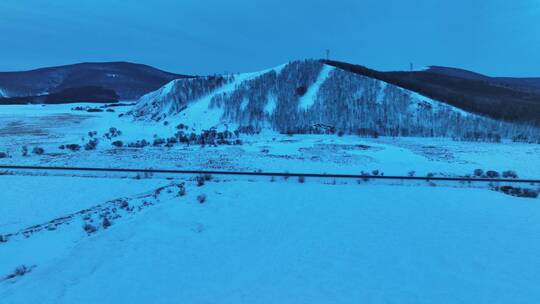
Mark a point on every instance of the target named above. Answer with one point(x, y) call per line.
point(3, 155)
point(158, 142)
point(301, 179)
point(509, 174)
point(92, 144)
point(113, 132)
point(89, 228)
point(123, 204)
point(24, 151)
point(201, 198)
point(38, 150)
point(375, 172)
point(110, 110)
point(139, 144)
point(411, 173)
point(106, 223)
point(519, 192)
point(181, 190)
point(492, 174)
point(73, 147)
point(430, 174)
point(19, 272)
point(200, 181)
point(207, 177)
point(3, 239)
point(478, 172)
point(118, 143)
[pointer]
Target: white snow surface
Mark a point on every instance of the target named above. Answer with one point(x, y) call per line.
point(285, 242)
point(308, 99)
point(36, 199)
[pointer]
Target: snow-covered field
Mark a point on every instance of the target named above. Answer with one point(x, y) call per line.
point(286, 242)
point(53, 125)
point(259, 240)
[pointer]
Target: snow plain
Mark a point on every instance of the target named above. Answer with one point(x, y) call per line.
point(262, 240)
point(52, 125)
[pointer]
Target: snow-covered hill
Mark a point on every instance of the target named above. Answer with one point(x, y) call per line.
point(312, 97)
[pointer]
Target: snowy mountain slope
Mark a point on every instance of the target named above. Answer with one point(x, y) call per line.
point(298, 96)
point(3, 93)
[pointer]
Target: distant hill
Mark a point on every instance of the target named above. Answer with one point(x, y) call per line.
point(522, 84)
point(510, 99)
point(71, 95)
point(128, 80)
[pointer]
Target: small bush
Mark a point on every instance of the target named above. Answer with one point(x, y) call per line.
point(3, 155)
point(509, 174)
point(92, 144)
point(19, 272)
point(73, 147)
point(181, 190)
point(139, 144)
point(106, 223)
point(492, 174)
point(375, 172)
point(519, 192)
point(89, 228)
point(118, 144)
point(201, 198)
point(158, 142)
point(38, 150)
point(200, 181)
point(24, 151)
point(207, 177)
point(478, 172)
point(411, 173)
point(301, 179)
point(3, 239)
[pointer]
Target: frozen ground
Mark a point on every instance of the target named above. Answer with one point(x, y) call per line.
point(257, 240)
point(53, 125)
point(286, 242)
point(29, 200)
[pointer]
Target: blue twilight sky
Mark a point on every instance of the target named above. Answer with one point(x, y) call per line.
point(495, 37)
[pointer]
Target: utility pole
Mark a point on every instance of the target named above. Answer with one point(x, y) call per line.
point(327, 54)
point(411, 66)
